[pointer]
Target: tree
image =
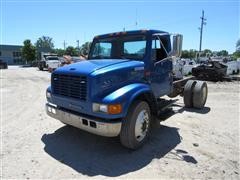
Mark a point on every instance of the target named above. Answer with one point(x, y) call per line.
point(189, 53)
point(192, 53)
point(71, 51)
point(185, 54)
point(85, 48)
point(236, 55)
point(44, 42)
point(222, 53)
point(28, 51)
point(207, 52)
point(59, 52)
point(238, 45)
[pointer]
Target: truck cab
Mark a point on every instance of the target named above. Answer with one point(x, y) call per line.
point(48, 61)
point(117, 91)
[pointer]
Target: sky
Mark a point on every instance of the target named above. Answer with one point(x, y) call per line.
point(81, 20)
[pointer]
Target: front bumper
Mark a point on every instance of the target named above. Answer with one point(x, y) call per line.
point(92, 125)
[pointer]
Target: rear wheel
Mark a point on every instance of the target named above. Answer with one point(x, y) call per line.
point(200, 93)
point(136, 126)
point(40, 67)
point(188, 93)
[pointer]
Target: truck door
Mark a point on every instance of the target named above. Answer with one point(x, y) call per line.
point(161, 76)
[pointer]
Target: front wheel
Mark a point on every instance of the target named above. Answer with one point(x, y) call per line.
point(136, 126)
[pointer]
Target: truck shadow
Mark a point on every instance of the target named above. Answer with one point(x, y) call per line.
point(180, 109)
point(204, 110)
point(94, 155)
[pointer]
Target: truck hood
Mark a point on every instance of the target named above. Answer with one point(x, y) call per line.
point(53, 61)
point(97, 66)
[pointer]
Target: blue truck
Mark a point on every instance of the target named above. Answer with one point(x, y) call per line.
point(120, 89)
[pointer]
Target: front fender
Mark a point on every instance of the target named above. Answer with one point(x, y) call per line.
point(126, 95)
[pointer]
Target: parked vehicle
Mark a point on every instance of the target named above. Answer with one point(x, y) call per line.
point(212, 70)
point(232, 67)
point(183, 67)
point(188, 64)
point(177, 68)
point(48, 61)
point(238, 64)
point(119, 90)
point(3, 65)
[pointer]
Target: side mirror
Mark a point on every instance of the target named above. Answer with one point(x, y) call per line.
point(177, 45)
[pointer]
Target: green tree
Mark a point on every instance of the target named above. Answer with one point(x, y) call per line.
point(85, 48)
point(206, 52)
point(28, 51)
point(185, 54)
point(44, 42)
point(192, 53)
point(71, 51)
point(236, 55)
point(222, 53)
point(59, 52)
point(238, 45)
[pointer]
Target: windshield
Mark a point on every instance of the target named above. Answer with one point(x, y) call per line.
point(52, 58)
point(127, 47)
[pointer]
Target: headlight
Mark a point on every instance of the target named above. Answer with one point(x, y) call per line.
point(109, 109)
point(100, 108)
point(48, 94)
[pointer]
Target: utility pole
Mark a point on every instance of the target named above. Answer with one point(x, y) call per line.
point(78, 47)
point(64, 45)
point(203, 22)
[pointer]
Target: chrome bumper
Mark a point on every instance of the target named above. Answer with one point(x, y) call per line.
point(108, 129)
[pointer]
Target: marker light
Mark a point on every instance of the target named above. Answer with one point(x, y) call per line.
point(114, 109)
point(110, 109)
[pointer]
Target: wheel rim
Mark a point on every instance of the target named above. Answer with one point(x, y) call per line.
point(142, 125)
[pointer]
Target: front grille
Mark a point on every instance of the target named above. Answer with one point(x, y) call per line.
point(70, 85)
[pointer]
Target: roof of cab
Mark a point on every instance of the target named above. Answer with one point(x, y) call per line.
point(134, 32)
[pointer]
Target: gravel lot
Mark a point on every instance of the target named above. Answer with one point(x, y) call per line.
point(190, 143)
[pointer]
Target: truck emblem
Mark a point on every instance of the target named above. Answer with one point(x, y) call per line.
point(83, 82)
point(55, 79)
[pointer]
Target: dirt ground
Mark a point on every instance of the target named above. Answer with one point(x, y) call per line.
point(202, 144)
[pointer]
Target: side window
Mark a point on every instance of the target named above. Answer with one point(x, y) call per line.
point(156, 44)
point(102, 49)
point(134, 49)
point(158, 50)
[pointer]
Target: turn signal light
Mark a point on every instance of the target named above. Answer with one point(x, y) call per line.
point(114, 108)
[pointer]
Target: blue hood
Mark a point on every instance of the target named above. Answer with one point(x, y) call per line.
point(97, 66)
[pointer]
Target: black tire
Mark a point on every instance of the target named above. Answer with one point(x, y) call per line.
point(127, 134)
point(200, 92)
point(188, 93)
